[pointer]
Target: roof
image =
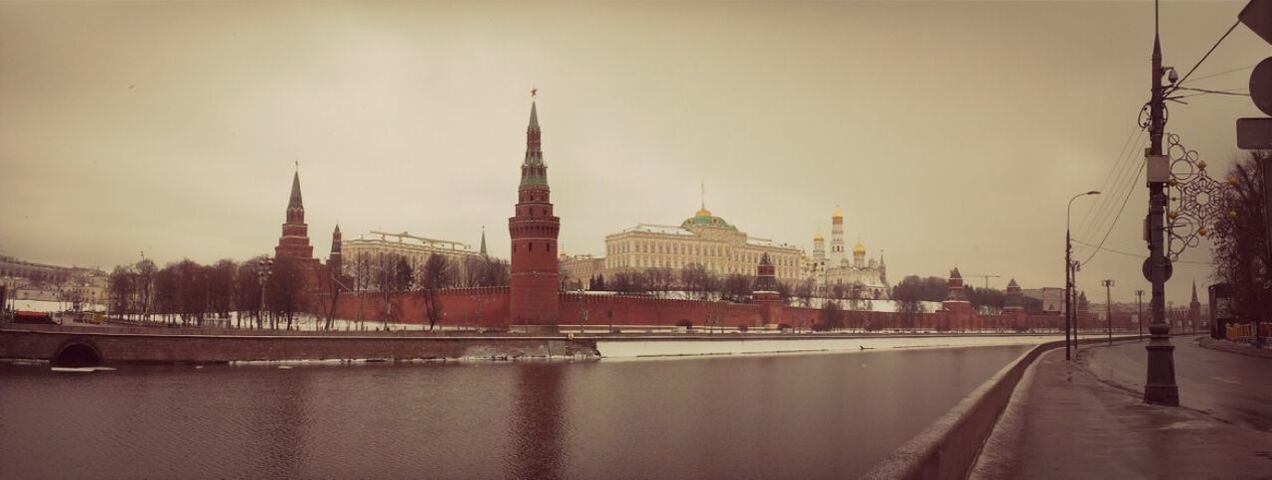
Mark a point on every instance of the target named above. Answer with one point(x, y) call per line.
point(659, 229)
point(704, 218)
point(295, 201)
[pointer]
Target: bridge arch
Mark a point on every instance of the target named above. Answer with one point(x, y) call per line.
point(76, 353)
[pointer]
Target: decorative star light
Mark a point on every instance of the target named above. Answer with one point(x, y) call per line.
point(1197, 201)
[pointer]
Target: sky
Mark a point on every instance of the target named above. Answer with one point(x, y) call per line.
point(950, 134)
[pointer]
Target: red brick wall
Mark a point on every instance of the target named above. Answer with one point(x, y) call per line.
point(489, 307)
point(482, 306)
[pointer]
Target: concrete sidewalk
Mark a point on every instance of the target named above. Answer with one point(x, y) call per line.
point(1063, 422)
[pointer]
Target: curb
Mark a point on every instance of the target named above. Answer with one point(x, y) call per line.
point(1224, 346)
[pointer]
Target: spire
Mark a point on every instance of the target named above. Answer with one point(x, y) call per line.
point(483, 240)
point(533, 171)
point(1194, 295)
point(295, 201)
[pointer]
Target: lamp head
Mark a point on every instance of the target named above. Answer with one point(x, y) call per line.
point(1093, 192)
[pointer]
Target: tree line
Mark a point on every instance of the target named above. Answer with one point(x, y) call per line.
point(271, 293)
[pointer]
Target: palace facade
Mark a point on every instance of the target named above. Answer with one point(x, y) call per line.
point(702, 239)
point(367, 250)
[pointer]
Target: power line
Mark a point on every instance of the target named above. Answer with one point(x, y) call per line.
point(1114, 172)
point(1203, 57)
point(1123, 184)
point(1136, 255)
point(1225, 72)
point(1219, 92)
point(1129, 191)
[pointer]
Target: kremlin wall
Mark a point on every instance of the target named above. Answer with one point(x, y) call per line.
point(534, 303)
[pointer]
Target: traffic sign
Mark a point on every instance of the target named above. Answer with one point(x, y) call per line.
point(1254, 133)
point(1257, 15)
point(1148, 271)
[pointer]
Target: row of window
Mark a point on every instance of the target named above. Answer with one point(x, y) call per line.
point(643, 262)
point(690, 249)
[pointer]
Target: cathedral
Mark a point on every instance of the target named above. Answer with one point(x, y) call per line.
point(827, 271)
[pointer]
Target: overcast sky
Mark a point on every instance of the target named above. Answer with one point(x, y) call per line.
point(951, 134)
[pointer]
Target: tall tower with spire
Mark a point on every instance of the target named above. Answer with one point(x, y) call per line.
point(533, 231)
point(837, 238)
point(335, 262)
point(1194, 308)
point(483, 241)
point(295, 240)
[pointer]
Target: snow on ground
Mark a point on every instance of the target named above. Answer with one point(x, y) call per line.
point(313, 323)
point(50, 306)
point(814, 302)
point(628, 349)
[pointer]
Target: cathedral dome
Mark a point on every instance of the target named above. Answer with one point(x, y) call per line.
point(818, 237)
point(859, 249)
point(838, 213)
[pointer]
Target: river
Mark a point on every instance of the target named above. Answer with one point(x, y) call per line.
point(807, 416)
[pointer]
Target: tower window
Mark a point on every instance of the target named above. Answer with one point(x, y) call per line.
point(531, 246)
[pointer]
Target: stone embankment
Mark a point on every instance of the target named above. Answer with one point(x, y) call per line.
point(88, 346)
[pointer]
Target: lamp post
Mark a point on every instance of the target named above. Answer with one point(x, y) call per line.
point(1139, 320)
point(1108, 307)
point(1159, 387)
point(1068, 276)
point(265, 265)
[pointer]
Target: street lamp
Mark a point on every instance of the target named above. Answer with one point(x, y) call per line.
point(265, 264)
point(1068, 274)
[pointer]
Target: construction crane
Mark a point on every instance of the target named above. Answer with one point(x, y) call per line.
point(986, 277)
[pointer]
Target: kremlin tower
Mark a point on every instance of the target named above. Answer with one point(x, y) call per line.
point(533, 230)
point(295, 240)
point(334, 261)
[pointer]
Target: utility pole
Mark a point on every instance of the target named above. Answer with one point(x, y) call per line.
point(1139, 319)
point(1108, 307)
point(1160, 387)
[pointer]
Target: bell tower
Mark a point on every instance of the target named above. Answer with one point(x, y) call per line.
point(533, 230)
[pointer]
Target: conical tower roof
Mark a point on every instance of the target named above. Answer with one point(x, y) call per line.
point(295, 201)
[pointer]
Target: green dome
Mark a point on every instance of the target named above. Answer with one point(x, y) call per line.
point(704, 218)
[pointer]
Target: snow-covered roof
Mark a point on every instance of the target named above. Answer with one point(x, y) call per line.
point(659, 229)
point(767, 242)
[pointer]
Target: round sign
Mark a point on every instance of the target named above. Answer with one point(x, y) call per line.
point(1261, 85)
point(1148, 272)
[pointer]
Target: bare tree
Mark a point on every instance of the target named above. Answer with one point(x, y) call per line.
point(284, 290)
point(247, 291)
point(392, 276)
point(438, 273)
point(1241, 255)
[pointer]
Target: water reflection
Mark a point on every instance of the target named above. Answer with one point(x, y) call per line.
point(537, 425)
point(791, 416)
point(277, 429)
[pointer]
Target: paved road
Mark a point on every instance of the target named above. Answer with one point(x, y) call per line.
point(1063, 423)
point(1229, 386)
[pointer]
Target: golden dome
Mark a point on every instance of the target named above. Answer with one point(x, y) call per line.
point(818, 237)
point(703, 212)
point(859, 249)
point(838, 213)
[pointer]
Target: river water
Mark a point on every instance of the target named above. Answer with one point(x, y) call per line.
point(808, 416)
